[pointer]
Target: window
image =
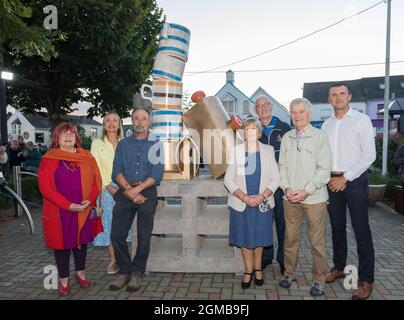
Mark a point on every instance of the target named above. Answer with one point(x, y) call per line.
point(246, 107)
point(93, 132)
point(229, 106)
point(380, 107)
point(39, 137)
point(16, 128)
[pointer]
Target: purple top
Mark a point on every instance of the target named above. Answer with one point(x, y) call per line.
point(68, 183)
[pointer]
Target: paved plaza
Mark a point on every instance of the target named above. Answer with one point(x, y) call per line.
point(23, 258)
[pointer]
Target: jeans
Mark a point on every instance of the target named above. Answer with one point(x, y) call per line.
point(123, 215)
point(268, 254)
point(355, 196)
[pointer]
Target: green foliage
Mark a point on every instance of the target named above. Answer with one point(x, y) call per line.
point(107, 54)
point(6, 199)
point(376, 177)
point(30, 192)
point(395, 140)
point(20, 36)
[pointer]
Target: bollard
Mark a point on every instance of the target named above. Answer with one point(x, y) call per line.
point(17, 183)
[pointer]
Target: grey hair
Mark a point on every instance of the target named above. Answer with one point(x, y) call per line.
point(262, 97)
point(141, 108)
point(305, 101)
point(255, 122)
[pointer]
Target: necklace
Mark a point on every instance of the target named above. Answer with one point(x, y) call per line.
point(68, 167)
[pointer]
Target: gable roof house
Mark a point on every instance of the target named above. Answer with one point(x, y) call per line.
point(36, 128)
point(235, 101)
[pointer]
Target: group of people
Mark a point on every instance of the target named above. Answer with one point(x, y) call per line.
point(19, 153)
point(286, 174)
point(277, 174)
point(116, 178)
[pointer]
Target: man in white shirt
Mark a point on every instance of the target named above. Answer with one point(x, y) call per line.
point(352, 144)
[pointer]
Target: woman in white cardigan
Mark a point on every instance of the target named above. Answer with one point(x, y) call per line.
point(252, 178)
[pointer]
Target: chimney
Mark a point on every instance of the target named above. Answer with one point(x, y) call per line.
point(230, 77)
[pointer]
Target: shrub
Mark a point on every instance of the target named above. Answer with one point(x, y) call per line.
point(395, 140)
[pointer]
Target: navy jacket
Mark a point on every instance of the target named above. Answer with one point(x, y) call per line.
point(275, 137)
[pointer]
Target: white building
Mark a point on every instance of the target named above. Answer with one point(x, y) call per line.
point(36, 128)
point(235, 101)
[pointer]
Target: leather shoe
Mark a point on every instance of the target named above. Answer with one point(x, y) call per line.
point(64, 291)
point(334, 274)
point(83, 283)
point(258, 282)
point(363, 292)
point(246, 285)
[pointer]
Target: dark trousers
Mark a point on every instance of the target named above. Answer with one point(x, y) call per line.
point(123, 215)
point(355, 196)
point(268, 254)
point(62, 258)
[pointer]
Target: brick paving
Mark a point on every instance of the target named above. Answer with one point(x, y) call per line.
point(23, 258)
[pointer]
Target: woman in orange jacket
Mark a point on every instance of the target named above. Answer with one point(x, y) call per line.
point(70, 183)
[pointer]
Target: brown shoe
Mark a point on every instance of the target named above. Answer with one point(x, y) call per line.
point(135, 282)
point(119, 282)
point(334, 274)
point(363, 292)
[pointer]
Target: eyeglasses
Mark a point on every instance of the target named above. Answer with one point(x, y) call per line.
point(67, 133)
point(261, 106)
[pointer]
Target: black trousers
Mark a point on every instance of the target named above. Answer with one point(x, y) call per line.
point(62, 258)
point(355, 196)
point(268, 253)
point(123, 215)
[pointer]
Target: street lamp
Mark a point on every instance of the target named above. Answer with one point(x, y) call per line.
point(5, 75)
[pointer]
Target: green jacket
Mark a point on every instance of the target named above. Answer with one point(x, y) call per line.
point(308, 168)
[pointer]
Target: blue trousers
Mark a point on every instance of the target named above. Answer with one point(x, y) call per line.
point(355, 196)
point(268, 254)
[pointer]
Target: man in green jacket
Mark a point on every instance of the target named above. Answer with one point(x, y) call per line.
point(304, 165)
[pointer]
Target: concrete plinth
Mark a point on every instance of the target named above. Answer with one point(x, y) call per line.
point(191, 236)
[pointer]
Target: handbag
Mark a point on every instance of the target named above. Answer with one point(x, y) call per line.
point(97, 211)
point(265, 206)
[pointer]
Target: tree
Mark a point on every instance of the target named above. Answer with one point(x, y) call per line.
point(107, 54)
point(21, 38)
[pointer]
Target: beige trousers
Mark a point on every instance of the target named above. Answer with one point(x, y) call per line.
point(316, 217)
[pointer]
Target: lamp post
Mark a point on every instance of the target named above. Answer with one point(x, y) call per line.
point(4, 75)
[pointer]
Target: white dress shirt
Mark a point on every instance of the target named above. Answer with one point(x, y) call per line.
point(352, 143)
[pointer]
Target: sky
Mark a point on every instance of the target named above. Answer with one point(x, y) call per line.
point(229, 30)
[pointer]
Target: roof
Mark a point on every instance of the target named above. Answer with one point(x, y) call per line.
point(267, 94)
point(38, 121)
point(83, 120)
point(229, 83)
point(362, 89)
point(395, 107)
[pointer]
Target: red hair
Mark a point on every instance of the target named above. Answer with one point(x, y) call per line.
point(64, 127)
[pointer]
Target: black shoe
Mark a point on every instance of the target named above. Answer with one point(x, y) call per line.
point(265, 264)
point(258, 282)
point(246, 285)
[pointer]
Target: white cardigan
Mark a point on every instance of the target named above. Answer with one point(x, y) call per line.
point(235, 174)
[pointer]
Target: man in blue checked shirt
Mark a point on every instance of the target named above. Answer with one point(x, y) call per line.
point(137, 170)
